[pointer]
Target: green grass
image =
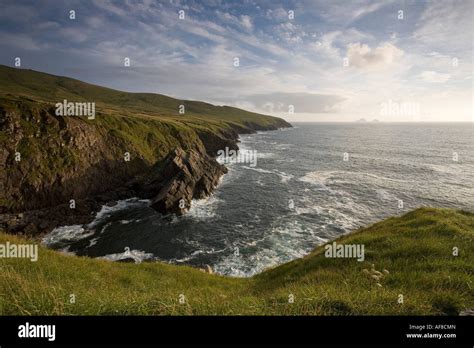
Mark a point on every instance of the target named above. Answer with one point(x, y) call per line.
point(40, 87)
point(416, 249)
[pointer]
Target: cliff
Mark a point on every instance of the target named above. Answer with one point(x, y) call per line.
point(138, 144)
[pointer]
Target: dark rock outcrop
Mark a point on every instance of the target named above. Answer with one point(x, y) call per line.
point(181, 177)
point(214, 142)
point(171, 184)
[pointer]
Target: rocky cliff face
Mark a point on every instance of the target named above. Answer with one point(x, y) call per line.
point(180, 178)
point(73, 158)
point(58, 170)
point(48, 160)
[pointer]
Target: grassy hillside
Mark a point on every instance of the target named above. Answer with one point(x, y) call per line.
point(46, 88)
point(415, 249)
point(65, 157)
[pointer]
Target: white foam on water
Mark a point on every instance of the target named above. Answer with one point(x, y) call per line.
point(453, 169)
point(385, 196)
point(317, 177)
point(339, 209)
point(283, 243)
point(106, 210)
point(380, 178)
point(265, 155)
point(196, 253)
point(203, 208)
point(66, 235)
point(284, 177)
point(328, 177)
point(93, 242)
point(102, 230)
point(73, 233)
point(260, 170)
point(137, 255)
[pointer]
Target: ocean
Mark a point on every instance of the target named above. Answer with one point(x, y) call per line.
point(308, 185)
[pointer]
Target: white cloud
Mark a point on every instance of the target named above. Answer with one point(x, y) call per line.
point(447, 26)
point(243, 21)
point(364, 57)
point(302, 102)
point(369, 8)
point(73, 34)
point(325, 46)
point(246, 22)
point(276, 14)
point(434, 77)
point(110, 7)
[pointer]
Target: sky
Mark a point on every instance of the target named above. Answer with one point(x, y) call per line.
point(304, 60)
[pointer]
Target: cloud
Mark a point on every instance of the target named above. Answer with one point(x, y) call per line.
point(434, 77)
point(290, 32)
point(446, 26)
point(19, 13)
point(276, 14)
point(22, 41)
point(369, 8)
point(73, 34)
point(282, 62)
point(325, 45)
point(363, 57)
point(94, 22)
point(246, 22)
point(110, 7)
point(243, 21)
point(302, 102)
point(49, 25)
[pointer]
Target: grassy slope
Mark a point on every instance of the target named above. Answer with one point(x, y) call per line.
point(47, 88)
point(146, 125)
point(416, 249)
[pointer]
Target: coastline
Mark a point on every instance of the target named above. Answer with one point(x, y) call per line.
point(188, 175)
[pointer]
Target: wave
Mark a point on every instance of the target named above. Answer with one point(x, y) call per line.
point(282, 243)
point(317, 177)
point(137, 255)
point(284, 177)
point(63, 236)
point(265, 155)
point(260, 170)
point(385, 196)
point(203, 208)
point(66, 235)
point(342, 176)
point(195, 254)
point(106, 210)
